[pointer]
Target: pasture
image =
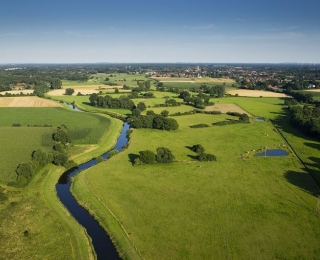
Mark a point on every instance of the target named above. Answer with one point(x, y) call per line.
point(257, 208)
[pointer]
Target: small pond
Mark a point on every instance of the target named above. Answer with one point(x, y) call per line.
point(273, 152)
point(259, 119)
point(73, 107)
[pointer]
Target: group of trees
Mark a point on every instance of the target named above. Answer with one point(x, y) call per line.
point(41, 157)
point(163, 155)
point(153, 121)
point(202, 156)
point(307, 119)
point(109, 102)
point(300, 96)
point(213, 91)
point(199, 101)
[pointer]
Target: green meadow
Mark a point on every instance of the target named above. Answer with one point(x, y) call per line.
point(240, 206)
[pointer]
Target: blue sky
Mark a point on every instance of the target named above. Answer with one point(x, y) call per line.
point(69, 31)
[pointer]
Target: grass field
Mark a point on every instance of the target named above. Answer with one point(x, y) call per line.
point(17, 145)
point(83, 128)
point(34, 224)
point(252, 209)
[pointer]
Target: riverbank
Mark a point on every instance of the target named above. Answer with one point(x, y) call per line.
point(85, 196)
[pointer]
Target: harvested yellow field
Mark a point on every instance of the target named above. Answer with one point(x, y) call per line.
point(27, 102)
point(224, 108)
point(313, 90)
point(84, 90)
point(254, 93)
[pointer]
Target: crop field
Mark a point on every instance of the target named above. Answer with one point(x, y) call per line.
point(252, 208)
point(224, 108)
point(254, 93)
point(27, 102)
point(83, 128)
point(17, 145)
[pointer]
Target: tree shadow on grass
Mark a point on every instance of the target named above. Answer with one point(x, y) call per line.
point(188, 147)
point(132, 157)
point(304, 181)
point(193, 157)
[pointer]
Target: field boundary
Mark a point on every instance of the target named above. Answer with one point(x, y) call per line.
point(295, 153)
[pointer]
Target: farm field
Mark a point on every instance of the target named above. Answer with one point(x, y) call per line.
point(254, 93)
point(92, 126)
point(27, 102)
point(17, 145)
point(33, 215)
point(257, 208)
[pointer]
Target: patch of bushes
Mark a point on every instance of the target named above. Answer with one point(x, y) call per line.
point(163, 155)
point(199, 126)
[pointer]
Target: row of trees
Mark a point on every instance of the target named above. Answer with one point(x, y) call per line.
point(307, 119)
point(109, 102)
point(154, 122)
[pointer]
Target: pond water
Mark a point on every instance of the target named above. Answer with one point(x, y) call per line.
point(73, 107)
point(259, 119)
point(101, 242)
point(273, 152)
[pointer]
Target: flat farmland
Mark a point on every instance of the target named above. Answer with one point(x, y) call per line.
point(224, 108)
point(27, 102)
point(17, 145)
point(254, 93)
point(231, 208)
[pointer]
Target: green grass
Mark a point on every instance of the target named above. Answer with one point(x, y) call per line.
point(231, 208)
point(17, 145)
point(52, 233)
point(99, 80)
point(83, 128)
point(264, 107)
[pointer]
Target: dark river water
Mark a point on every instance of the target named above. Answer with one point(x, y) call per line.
point(101, 241)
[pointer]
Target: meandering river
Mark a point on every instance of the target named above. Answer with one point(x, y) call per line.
point(102, 243)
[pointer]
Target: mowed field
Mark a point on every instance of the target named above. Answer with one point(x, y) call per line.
point(27, 102)
point(258, 208)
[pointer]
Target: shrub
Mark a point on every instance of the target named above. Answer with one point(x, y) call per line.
point(198, 148)
point(206, 157)
point(164, 155)
point(147, 157)
point(199, 126)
